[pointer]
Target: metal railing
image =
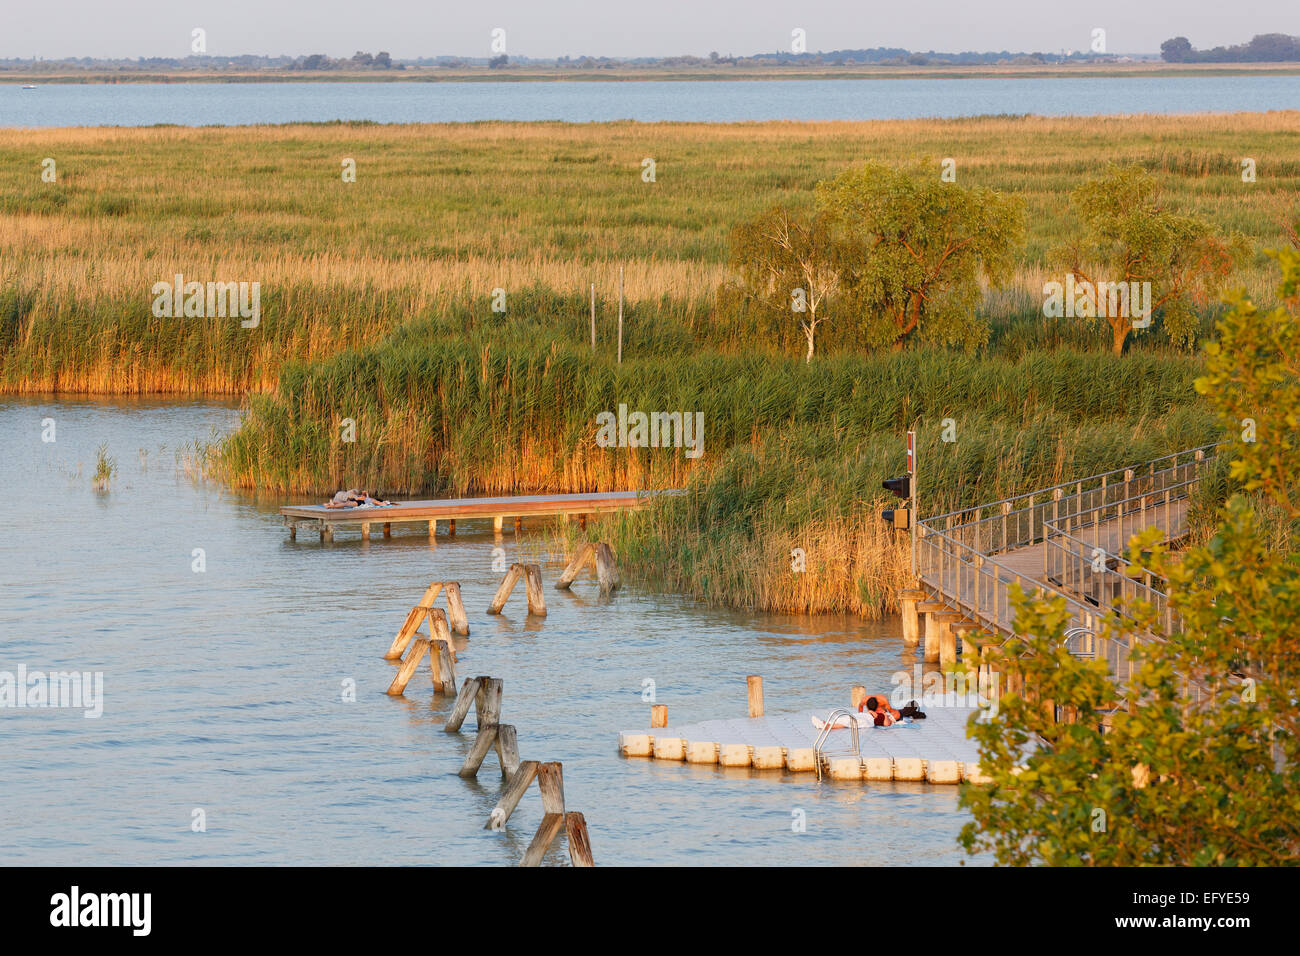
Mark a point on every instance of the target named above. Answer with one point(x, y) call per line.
point(963, 556)
point(1018, 522)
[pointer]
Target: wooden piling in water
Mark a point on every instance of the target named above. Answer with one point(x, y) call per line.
point(575, 824)
point(496, 524)
point(407, 670)
point(606, 568)
point(754, 686)
point(507, 585)
point(508, 749)
point(456, 609)
point(466, 697)
point(658, 715)
point(550, 781)
point(511, 795)
point(412, 623)
point(584, 553)
point(533, 589)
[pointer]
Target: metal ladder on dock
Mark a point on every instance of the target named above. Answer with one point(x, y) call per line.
point(819, 750)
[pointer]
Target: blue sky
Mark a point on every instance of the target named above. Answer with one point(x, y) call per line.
point(545, 28)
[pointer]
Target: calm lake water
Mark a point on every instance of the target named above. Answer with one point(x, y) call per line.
point(223, 689)
point(198, 104)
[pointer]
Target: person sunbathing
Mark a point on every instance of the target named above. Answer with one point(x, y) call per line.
point(885, 716)
point(345, 499)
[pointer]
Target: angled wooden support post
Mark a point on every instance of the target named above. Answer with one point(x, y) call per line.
point(407, 670)
point(606, 568)
point(468, 691)
point(483, 741)
point(512, 794)
point(584, 554)
point(755, 689)
point(412, 622)
point(507, 585)
point(442, 656)
point(550, 781)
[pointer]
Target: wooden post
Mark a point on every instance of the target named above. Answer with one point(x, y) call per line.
point(496, 524)
point(412, 623)
point(433, 527)
point(511, 795)
point(456, 609)
point(550, 781)
point(365, 531)
point(857, 694)
point(519, 524)
point(326, 532)
point(407, 670)
point(405, 633)
point(483, 741)
point(582, 522)
point(444, 667)
point(451, 528)
point(293, 531)
point(388, 529)
point(533, 588)
point(507, 749)
point(658, 715)
point(606, 569)
point(575, 824)
point(507, 585)
point(459, 710)
point(754, 685)
point(487, 700)
point(575, 565)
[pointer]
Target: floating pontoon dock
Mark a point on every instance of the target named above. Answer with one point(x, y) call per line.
point(935, 749)
point(325, 520)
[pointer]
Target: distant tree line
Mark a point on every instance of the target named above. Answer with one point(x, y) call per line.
point(358, 61)
point(1263, 48)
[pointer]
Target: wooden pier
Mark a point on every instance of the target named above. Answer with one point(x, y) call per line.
point(325, 520)
point(933, 750)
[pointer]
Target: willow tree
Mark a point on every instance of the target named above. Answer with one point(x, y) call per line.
point(786, 265)
point(914, 252)
point(1130, 237)
point(1174, 782)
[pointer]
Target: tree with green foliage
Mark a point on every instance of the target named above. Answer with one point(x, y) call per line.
point(913, 251)
point(1129, 237)
point(1171, 782)
point(786, 266)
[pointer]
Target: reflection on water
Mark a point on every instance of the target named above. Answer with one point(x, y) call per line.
point(224, 689)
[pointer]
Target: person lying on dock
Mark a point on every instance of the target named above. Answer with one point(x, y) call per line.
point(885, 716)
point(345, 499)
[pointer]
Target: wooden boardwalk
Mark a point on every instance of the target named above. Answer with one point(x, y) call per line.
point(934, 750)
point(326, 520)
